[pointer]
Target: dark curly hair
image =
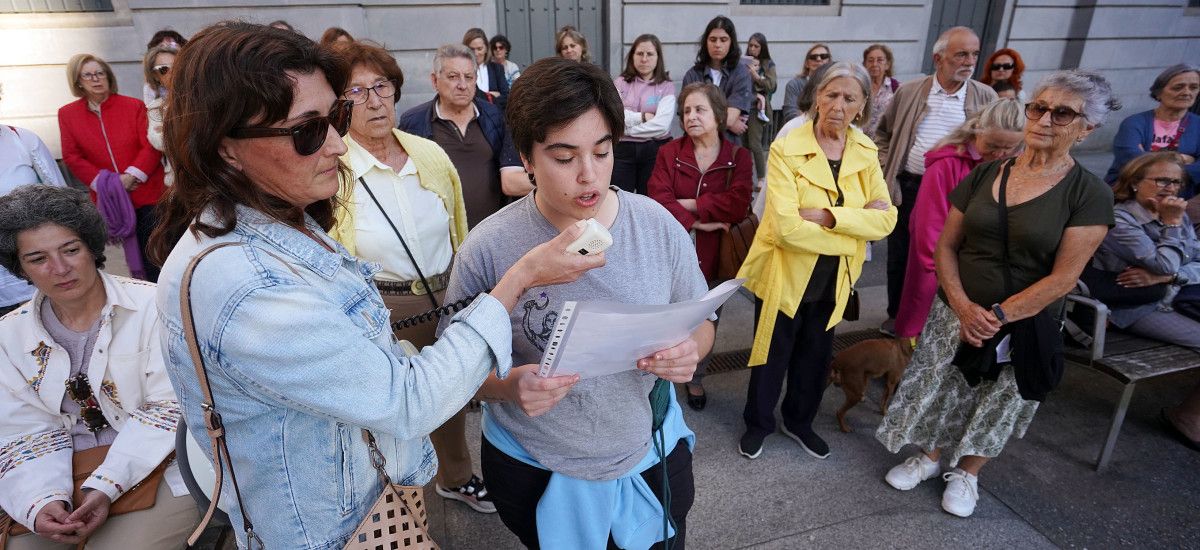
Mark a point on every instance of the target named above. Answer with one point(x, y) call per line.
point(32, 206)
point(555, 91)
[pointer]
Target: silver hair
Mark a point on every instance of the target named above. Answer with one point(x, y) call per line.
point(1002, 114)
point(32, 206)
point(847, 69)
point(1097, 93)
point(451, 51)
point(943, 40)
point(1160, 83)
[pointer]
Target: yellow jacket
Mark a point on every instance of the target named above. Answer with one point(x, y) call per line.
point(434, 170)
point(786, 247)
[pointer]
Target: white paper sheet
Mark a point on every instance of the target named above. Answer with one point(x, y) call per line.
point(598, 338)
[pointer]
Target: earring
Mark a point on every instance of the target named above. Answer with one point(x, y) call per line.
point(1135, 189)
point(532, 180)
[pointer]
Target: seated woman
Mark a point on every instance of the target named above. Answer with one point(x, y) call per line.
point(703, 180)
point(1153, 242)
point(552, 484)
point(991, 133)
point(315, 395)
point(1167, 127)
point(84, 389)
point(404, 210)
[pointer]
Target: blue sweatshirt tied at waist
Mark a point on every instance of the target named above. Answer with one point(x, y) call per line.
point(577, 513)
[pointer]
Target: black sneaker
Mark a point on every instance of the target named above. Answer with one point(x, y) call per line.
point(473, 493)
point(751, 445)
point(809, 441)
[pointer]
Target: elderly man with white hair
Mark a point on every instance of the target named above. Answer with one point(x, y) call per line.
point(923, 112)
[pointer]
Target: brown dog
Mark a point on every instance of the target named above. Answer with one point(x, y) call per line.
point(854, 366)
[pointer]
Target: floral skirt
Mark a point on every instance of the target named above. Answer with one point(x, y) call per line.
point(935, 408)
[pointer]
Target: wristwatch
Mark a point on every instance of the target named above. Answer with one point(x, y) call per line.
point(999, 312)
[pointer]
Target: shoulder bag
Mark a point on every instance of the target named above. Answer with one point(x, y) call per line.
point(396, 520)
point(735, 241)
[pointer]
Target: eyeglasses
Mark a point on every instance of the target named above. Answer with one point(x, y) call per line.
point(80, 391)
point(308, 136)
point(360, 94)
point(98, 75)
point(1060, 116)
point(162, 70)
point(1003, 66)
point(1163, 183)
point(818, 56)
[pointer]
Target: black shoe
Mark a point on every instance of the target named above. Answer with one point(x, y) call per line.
point(696, 402)
point(1174, 431)
point(751, 445)
point(809, 441)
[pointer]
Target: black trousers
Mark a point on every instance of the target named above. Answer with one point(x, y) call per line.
point(517, 487)
point(633, 163)
point(147, 220)
point(801, 349)
point(897, 242)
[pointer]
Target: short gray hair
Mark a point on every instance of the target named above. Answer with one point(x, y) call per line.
point(451, 51)
point(32, 206)
point(1160, 83)
point(943, 40)
point(847, 69)
point(1097, 93)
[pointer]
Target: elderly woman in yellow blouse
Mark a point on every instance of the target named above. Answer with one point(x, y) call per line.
point(825, 199)
point(404, 210)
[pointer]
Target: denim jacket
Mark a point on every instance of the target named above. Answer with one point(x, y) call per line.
point(300, 358)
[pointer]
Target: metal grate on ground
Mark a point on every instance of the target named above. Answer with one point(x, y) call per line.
point(730, 361)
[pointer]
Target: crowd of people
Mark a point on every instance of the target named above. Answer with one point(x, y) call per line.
point(425, 251)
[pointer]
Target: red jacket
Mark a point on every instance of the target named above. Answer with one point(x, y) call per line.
point(121, 128)
point(722, 192)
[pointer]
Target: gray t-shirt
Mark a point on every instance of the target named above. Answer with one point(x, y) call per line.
point(601, 429)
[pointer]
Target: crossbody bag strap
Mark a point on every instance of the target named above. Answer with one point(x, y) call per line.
point(412, 258)
point(1002, 201)
point(212, 419)
point(1183, 124)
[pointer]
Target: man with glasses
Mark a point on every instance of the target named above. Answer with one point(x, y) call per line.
point(922, 113)
point(472, 132)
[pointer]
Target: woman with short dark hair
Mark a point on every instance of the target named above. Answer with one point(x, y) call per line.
point(500, 48)
point(1167, 127)
point(719, 62)
point(553, 485)
point(86, 393)
point(257, 166)
point(648, 95)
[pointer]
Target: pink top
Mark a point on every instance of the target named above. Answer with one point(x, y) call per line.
point(945, 167)
point(642, 96)
point(1164, 134)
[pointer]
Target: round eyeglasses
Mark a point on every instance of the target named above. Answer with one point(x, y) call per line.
point(360, 94)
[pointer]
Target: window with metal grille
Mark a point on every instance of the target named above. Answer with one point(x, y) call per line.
point(54, 6)
point(785, 2)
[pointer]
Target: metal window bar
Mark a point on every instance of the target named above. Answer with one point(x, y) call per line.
point(785, 2)
point(53, 6)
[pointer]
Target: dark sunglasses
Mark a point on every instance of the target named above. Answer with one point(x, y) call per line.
point(818, 56)
point(1060, 116)
point(162, 69)
point(308, 136)
point(80, 391)
point(1003, 66)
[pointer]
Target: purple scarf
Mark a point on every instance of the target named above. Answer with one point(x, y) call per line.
point(117, 210)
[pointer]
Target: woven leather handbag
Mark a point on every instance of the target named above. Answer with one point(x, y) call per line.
point(735, 241)
point(396, 520)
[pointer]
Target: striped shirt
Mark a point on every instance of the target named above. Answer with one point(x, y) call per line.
point(943, 113)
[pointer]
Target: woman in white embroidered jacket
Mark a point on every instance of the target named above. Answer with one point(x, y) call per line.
point(81, 370)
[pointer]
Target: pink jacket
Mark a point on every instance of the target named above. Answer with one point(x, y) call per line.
point(945, 167)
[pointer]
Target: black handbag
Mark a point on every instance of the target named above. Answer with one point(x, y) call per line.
point(1187, 302)
point(1102, 285)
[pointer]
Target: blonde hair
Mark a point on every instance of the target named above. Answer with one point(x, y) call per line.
point(577, 37)
point(75, 67)
point(1002, 114)
point(153, 78)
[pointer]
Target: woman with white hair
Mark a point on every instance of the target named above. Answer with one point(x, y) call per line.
point(1018, 234)
point(826, 199)
point(990, 134)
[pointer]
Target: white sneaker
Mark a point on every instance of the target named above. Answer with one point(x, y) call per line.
point(911, 472)
point(961, 494)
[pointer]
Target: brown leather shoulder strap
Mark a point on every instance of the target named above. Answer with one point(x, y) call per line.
point(212, 419)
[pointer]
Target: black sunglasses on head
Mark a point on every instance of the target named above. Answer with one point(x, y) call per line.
point(1003, 66)
point(308, 136)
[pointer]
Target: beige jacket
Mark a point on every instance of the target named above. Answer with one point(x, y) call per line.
point(898, 128)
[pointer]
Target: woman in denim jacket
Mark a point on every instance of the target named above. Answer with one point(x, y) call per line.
point(294, 335)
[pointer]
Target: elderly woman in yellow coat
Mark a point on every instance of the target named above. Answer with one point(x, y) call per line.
point(825, 199)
